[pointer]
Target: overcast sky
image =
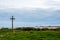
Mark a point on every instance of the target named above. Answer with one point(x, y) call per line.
point(29, 12)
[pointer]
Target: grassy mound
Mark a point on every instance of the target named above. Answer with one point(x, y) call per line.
point(29, 35)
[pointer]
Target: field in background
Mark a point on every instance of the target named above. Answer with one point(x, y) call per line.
point(29, 35)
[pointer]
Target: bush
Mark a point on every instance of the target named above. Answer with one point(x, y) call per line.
point(44, 29)
point(4, 28)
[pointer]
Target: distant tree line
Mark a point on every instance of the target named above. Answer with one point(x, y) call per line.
point(31, 29)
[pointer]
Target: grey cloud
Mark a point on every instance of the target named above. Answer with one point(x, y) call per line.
point(52, 3)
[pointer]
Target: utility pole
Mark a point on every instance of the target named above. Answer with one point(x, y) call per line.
point(12, 21)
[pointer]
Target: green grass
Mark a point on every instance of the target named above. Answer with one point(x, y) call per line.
point(29, 35)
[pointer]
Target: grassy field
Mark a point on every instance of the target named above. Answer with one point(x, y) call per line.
point(29, 35)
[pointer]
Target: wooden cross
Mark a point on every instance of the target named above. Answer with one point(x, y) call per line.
point(12, 21)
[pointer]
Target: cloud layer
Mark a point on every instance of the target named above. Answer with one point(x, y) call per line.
point(30, 17)
point(30, 4)
point(30, 12)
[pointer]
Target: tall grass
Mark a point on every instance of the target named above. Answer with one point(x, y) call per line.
point(29, 35)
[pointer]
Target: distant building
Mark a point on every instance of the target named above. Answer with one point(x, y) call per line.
point(49, 27)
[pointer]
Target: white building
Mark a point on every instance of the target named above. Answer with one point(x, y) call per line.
point(49, 27)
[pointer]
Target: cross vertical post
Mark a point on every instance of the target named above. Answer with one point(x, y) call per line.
point(12, 22)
